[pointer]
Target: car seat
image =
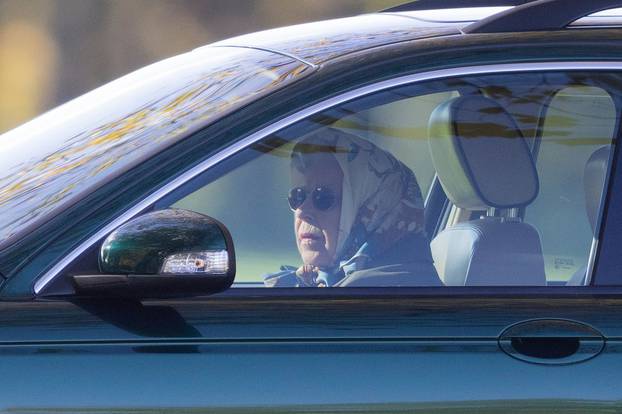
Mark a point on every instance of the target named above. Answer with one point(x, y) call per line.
point(484, 164)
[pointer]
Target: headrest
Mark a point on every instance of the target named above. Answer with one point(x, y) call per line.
point(594, 181)
point(480, 155)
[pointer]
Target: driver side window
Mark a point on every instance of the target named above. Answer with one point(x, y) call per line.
point(339, 199)
point(252, 198)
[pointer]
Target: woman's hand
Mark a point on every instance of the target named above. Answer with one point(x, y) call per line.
point(307, 274)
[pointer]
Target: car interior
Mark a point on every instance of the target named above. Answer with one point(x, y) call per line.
point(511, 164)
point(484, 170)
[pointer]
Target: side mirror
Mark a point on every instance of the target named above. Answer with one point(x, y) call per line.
point(160, 254)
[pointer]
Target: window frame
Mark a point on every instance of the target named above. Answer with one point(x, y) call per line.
point(609, 258)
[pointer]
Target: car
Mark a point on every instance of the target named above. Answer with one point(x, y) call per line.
point(413, 210)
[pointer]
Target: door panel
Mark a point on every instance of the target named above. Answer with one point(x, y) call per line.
point(323, 353)
point(332, 377)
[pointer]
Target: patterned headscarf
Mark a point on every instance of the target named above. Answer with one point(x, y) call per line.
point(381, 201)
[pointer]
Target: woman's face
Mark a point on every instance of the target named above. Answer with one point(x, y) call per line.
point(316, 229)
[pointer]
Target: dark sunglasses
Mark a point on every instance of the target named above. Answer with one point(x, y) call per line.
point(323, 198)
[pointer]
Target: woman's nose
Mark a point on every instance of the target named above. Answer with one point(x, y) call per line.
point(306, 211)
point(307, 205)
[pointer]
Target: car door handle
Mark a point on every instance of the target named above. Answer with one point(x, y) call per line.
point(551, 341)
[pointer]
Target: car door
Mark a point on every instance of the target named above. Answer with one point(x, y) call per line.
point(385, 346)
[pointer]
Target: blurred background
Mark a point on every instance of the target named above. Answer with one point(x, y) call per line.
point(54, 50)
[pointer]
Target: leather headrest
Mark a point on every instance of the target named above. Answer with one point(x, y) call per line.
point(480, 155)
point(593, 181)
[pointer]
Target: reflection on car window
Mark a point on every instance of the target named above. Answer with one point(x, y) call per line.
point(337, 200)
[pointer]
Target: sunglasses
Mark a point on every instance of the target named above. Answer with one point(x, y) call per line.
point(322, 198)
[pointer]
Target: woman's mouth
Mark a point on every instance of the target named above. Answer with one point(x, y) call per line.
point(309, 236)
point(311, 240)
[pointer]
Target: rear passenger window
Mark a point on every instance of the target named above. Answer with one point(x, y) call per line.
point(577, 132)
point(488, 180)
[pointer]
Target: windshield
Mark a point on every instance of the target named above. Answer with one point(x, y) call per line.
point(50, 161)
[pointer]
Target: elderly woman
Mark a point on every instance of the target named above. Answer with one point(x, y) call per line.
point(358, 217)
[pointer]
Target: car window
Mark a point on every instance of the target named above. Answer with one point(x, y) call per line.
point(264, 180)
point(579, 121)
point(338, 198)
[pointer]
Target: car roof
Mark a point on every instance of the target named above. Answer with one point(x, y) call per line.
point(318, 42)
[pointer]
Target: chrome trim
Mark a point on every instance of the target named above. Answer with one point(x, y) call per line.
point(590, 262)
point(601, 209)
point(267, 49)
point(421, 21)
point(429, 194)
point(285, 122)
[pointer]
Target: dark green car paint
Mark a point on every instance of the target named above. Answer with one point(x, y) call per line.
point(255, 350)
point(472, 407)
point(330, 352)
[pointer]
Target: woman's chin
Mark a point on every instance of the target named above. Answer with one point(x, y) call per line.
point(315, 258)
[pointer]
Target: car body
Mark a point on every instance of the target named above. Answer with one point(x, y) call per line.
point(205, 120)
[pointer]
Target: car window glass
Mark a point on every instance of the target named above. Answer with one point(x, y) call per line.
point(509, 151)
point(579, 121)
point(401, 127)
point(263, 182)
